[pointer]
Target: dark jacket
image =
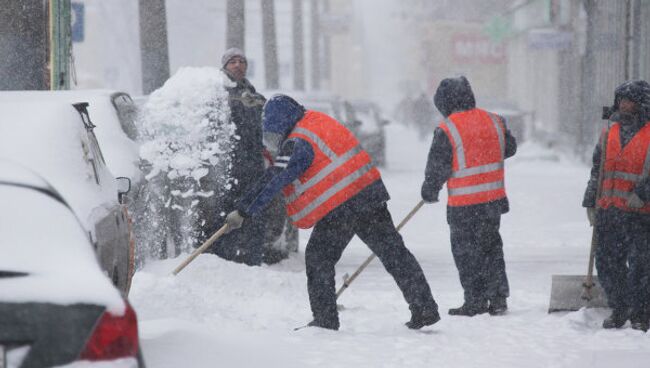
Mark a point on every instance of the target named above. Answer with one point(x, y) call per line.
point(246, 113)
point(642, 189)
point(455, 95)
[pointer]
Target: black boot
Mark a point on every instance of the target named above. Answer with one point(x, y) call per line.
point(324, 324)
point(617, 319)
point(641, 325)
point(468, 310)
point(421, 319)
point(498, 307)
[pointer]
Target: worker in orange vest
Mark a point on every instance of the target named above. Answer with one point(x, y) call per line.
point(622, 213)
point(468, 152)
point(330, 183)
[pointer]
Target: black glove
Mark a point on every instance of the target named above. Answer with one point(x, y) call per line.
point(429, 196)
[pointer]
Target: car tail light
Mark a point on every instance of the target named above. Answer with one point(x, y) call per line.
point(113, 337)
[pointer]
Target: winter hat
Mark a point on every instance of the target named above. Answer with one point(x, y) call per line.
point(637, 91)
point(281, 113)
point(231, 53)
point(453, 95)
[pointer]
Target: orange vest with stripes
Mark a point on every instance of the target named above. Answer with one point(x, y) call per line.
point(624, 168)
point(478, 141)
point(340, 170)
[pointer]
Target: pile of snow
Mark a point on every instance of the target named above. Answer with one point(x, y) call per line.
point(186, 138)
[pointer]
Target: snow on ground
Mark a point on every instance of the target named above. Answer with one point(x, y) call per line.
point(217, 313)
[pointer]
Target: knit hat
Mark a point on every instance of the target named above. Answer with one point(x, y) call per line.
point(231, 53)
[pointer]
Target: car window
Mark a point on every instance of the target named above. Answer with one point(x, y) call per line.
point(92, 153)
point(127, 112)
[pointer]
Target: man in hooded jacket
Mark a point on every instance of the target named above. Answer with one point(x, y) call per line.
point(245, 246)
point(467, 152)
point(329, 182)
point(620, 210)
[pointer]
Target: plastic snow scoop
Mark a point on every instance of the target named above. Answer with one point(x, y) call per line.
point(570, 293)
point(201, 249)
point(348, 280)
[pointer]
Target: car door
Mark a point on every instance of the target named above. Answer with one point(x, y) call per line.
point(112, 238)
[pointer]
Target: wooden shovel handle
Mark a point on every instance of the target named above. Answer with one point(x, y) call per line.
point(201, 249)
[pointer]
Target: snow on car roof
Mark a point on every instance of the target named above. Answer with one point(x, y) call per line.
point(50, 139)
point(42, 238)
point(120, 152)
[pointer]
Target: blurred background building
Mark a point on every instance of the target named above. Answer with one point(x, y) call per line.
point(555, 61)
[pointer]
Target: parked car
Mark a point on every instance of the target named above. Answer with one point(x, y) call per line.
point(370, 130)
point(57, 140)
point(56, 305)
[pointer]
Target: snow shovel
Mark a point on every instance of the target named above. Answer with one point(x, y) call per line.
point(201, 249)
point(348, 280)
point(572, 292)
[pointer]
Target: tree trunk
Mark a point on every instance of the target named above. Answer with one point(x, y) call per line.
point(235, 24)
point(153, 44)
point(23, 45)
point(298, 48)
point(270, 44)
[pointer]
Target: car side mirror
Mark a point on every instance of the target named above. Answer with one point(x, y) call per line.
point(123, 187)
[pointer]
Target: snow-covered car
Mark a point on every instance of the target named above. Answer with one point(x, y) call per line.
point(370, 129)
point(56, 305)
point(113, 113)
point(57, 140)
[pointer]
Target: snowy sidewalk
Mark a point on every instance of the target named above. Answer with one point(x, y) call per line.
point(220, 314)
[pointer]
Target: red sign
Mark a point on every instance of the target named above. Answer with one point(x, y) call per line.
point(477, 49)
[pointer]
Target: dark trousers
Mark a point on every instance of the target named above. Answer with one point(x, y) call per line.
point(244, 245)
point(623, 261)
point(478, 252)
point(375, 227)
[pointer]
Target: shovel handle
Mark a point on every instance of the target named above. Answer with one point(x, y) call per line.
point(348, 280)
point(201, 249)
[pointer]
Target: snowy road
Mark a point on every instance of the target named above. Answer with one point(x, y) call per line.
point(220, 314)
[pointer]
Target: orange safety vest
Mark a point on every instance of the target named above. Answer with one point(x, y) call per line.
point(340, 170)
point(624, 168)
point(478, 141)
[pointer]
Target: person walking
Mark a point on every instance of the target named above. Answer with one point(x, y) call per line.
point(330, 183)
point(622, 213)
point(468, 152)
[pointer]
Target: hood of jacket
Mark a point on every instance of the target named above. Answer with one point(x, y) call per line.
point(281, 113)
point(454, 95)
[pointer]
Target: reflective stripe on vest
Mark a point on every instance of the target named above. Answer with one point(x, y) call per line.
point(624, 168)
point(481, 181)
point(340, 169)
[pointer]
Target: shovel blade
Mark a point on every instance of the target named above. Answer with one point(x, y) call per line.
point(568, 294)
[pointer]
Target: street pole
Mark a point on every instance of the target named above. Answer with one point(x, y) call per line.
point(298, 47)
point(270, 44)
point(235, 24)
point(315, 46)
point(154, 51)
